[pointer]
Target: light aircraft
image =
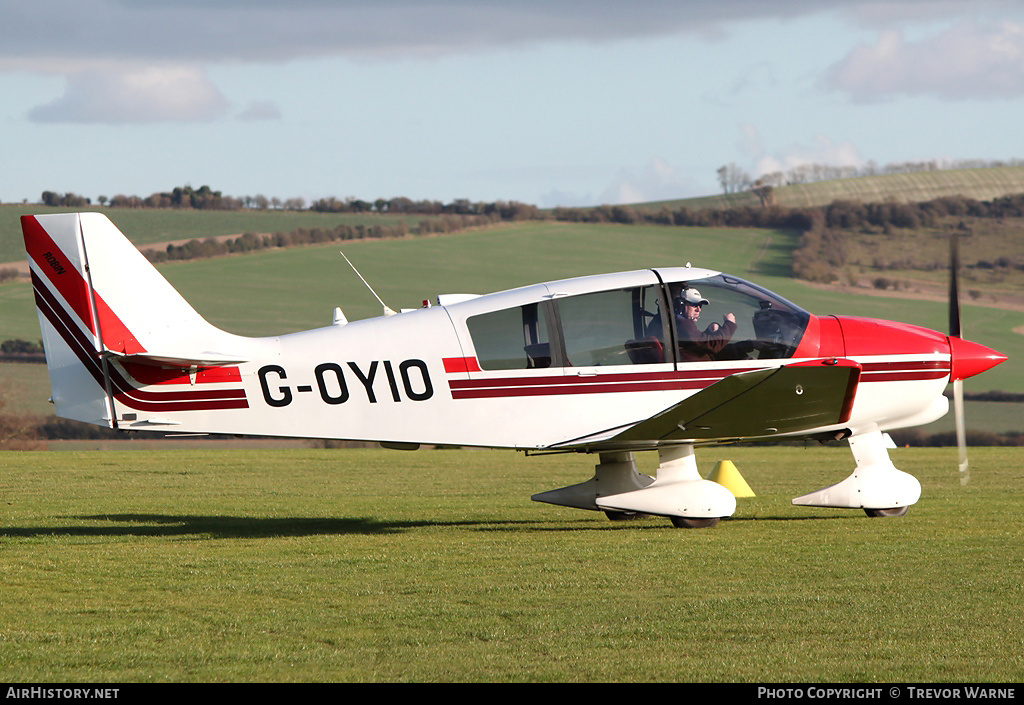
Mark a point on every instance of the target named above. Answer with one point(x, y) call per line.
point(599, 364)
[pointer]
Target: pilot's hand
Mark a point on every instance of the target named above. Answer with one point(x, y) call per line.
point(730, 317)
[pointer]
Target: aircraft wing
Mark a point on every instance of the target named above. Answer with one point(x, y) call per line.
point(755, 404)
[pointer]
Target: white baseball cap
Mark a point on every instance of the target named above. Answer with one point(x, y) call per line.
point(693, 297)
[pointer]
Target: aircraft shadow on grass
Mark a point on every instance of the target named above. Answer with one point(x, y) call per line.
point(233, 527)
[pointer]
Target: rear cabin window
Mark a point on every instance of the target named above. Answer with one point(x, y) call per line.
point(512, 339)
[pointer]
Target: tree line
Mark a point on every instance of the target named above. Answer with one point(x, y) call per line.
point(252, 242)
point(205, 198)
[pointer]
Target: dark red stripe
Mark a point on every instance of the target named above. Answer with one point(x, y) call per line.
point(580, 388)
point(902, 376)
point(573, 379)
point(906, 365)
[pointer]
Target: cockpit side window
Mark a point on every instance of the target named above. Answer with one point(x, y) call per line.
point(620, 327)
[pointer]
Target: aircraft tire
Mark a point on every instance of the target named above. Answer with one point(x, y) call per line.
point(624, 516)
point(894, 512)
point(693, 522)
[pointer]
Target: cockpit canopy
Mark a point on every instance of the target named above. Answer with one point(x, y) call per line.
point(767, 325)
point(637, 325)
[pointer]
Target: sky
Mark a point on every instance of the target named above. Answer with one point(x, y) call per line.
point(549, 102)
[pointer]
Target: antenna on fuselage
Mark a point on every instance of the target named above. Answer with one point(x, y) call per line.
point(387, 311)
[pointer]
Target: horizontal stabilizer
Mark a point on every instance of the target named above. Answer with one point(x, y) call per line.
point(756, 404)
point(203, 359)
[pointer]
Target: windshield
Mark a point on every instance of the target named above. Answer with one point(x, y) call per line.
point(726, 318)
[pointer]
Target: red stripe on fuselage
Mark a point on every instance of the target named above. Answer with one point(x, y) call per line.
point(904, 371)
point(454, 365)
point(150, 374)
point(588, 384)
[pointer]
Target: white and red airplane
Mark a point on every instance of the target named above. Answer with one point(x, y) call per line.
point(602, 364)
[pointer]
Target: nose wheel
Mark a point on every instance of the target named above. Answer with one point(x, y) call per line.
point(893, 512)
point(693, 522)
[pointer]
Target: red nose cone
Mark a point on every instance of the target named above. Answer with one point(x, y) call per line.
point(970, 359)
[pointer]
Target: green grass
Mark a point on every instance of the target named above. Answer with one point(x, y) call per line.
point(364, 565)
point(25, 387)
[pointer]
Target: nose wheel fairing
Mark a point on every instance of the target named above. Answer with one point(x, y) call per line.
point(875, 484)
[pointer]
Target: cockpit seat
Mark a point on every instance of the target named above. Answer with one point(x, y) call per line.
point(645, 351)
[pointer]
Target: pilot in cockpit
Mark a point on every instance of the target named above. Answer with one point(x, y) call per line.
point(695, 344)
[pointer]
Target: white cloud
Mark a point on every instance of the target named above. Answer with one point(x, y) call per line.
point(968, 60)
point(821, 152)
point(147, 94)
point(656, 181)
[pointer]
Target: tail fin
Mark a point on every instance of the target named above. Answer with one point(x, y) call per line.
point(101, 302)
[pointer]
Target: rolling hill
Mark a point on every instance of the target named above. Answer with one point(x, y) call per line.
point(982, 184)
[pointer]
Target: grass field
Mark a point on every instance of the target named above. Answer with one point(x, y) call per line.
point(365, 565)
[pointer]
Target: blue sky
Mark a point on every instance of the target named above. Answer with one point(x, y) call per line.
point(552, 102)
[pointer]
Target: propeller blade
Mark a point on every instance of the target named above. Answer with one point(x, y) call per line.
point(955, 330)
point(954, 288)
point(961, 432)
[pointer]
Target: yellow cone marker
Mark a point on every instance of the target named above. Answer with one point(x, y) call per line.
point(726, 474)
